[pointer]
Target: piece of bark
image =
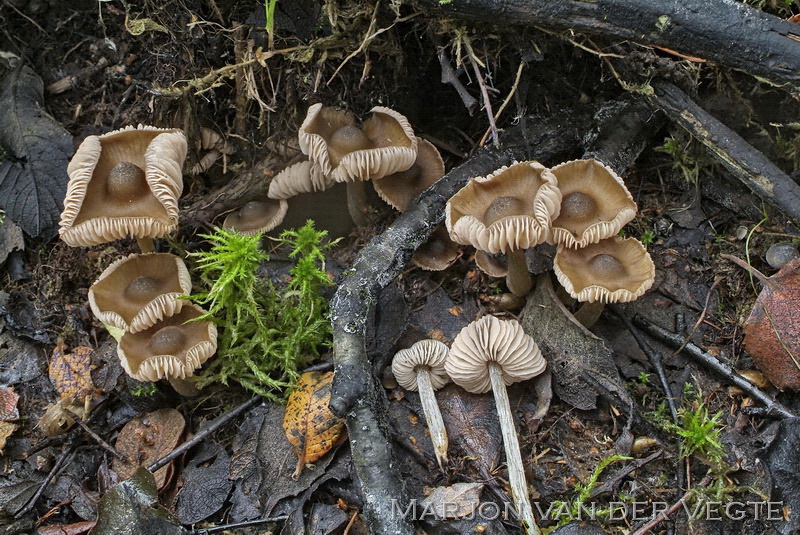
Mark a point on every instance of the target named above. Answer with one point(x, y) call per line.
point(732, 34)
point(747, 164)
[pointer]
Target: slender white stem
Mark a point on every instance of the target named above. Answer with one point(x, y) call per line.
point(432, 415)
point(518, 278)
point(516, 472)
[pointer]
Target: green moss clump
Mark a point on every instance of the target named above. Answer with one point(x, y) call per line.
point(266, 334)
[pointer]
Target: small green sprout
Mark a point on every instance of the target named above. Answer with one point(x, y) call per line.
point(647, 238)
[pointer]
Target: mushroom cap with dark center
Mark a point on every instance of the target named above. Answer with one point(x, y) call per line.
point(124, 183)
point(614, 270)
point(596, 204)
point(508, 210)
point(257, 216)
point(173, 347)
point(438, 253)
point(399, 189)
point(429, 354)
point(386, 143)
point(136, 291)
point(488, 340)
point(302, 177)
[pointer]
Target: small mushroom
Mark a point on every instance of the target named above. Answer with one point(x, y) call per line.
point(173, 348)
point(613, 270)
point(302, 177)
point(399, 189)
point(438, 253)
point(385, 144)
point(215, 145)
point(507, 211)
point(124, 183)
point(489, 354)
point(421, 368)
point(135, 292)
point(257, 216)
point(595, 203)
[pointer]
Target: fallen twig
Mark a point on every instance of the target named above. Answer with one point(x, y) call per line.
point(59, 465)
point(773, 407)
point(236, 525)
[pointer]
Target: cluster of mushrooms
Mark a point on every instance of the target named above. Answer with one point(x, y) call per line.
point(127, 183)
point(581, 206)
point(383, 149)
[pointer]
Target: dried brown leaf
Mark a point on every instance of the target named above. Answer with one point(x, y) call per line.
point(71, 372)
point(6, 428)
point(8, 404)
point(455, 501)
point(312, 429)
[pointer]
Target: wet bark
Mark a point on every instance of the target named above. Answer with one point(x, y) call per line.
point(723, 31)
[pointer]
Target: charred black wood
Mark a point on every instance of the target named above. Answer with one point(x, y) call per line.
point(731, 34)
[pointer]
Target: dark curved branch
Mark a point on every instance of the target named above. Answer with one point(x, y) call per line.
point(726, 32)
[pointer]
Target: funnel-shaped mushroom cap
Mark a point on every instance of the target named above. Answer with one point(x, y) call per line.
point(170, 348)
point(429, 354)
point(595, 203)
point(492, 340)
point(384, 145)
point(257, 216)
point(508, 210)
point(124, 183)
point(135, 292)
point(399, 189)
point(438, 253)
point(614, 270)
point(490, 265)
point(302, 177)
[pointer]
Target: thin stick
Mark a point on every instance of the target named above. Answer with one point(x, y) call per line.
point(256, 522)
point(485, 92)
point(202, 435)
point(103, 444)
point(773, 407)
point(677, 506)
point(433, 415)
point(516, 472)
point(511, 93)
point(60, 463)
point(700, 320)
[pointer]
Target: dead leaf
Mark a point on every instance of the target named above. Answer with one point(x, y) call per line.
point(146, 439)
point(772, 332)
point(310, 426)
point(455, 501)
point(8, 404)
point(6, 428)
point(71, 372)
point(67, 529)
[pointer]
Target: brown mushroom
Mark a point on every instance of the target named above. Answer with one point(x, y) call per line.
point(172, 348)
point(490, 354)
point(595, 203)
point(135, 292)
point(438, 253)
point(399, 189)
point(302, 177)
point(257, 216)
point(124, 183)
point(385, 144)
point(421, 368)
point(507, 211)
point(613, 270)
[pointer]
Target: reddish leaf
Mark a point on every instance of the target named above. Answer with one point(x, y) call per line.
point(8, 404)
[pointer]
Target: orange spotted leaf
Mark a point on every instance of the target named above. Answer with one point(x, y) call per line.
point(8, 404)
point(71, 372)
point(312, 429)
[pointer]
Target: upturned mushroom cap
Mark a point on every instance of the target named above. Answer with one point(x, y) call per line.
point(124, 183)
point(438, 253)
point(430, 354)
point(257, 216)
point(399, 189)
point(595, 203)
point(384, 145)
point(302, 177)
point(492, 340)
point(170, 348)
point(490, 265)
point(135, 292)
point(614, 270)
point(508, 210)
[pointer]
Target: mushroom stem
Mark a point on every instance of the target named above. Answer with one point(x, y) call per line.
point(518, 278)
point(516, 472)
point(357, 202)
point(184, 387)
point(146, 245)
point(432, 415)
point(589, 313)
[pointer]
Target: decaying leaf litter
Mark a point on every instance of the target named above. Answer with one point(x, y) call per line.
point(210, 66)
